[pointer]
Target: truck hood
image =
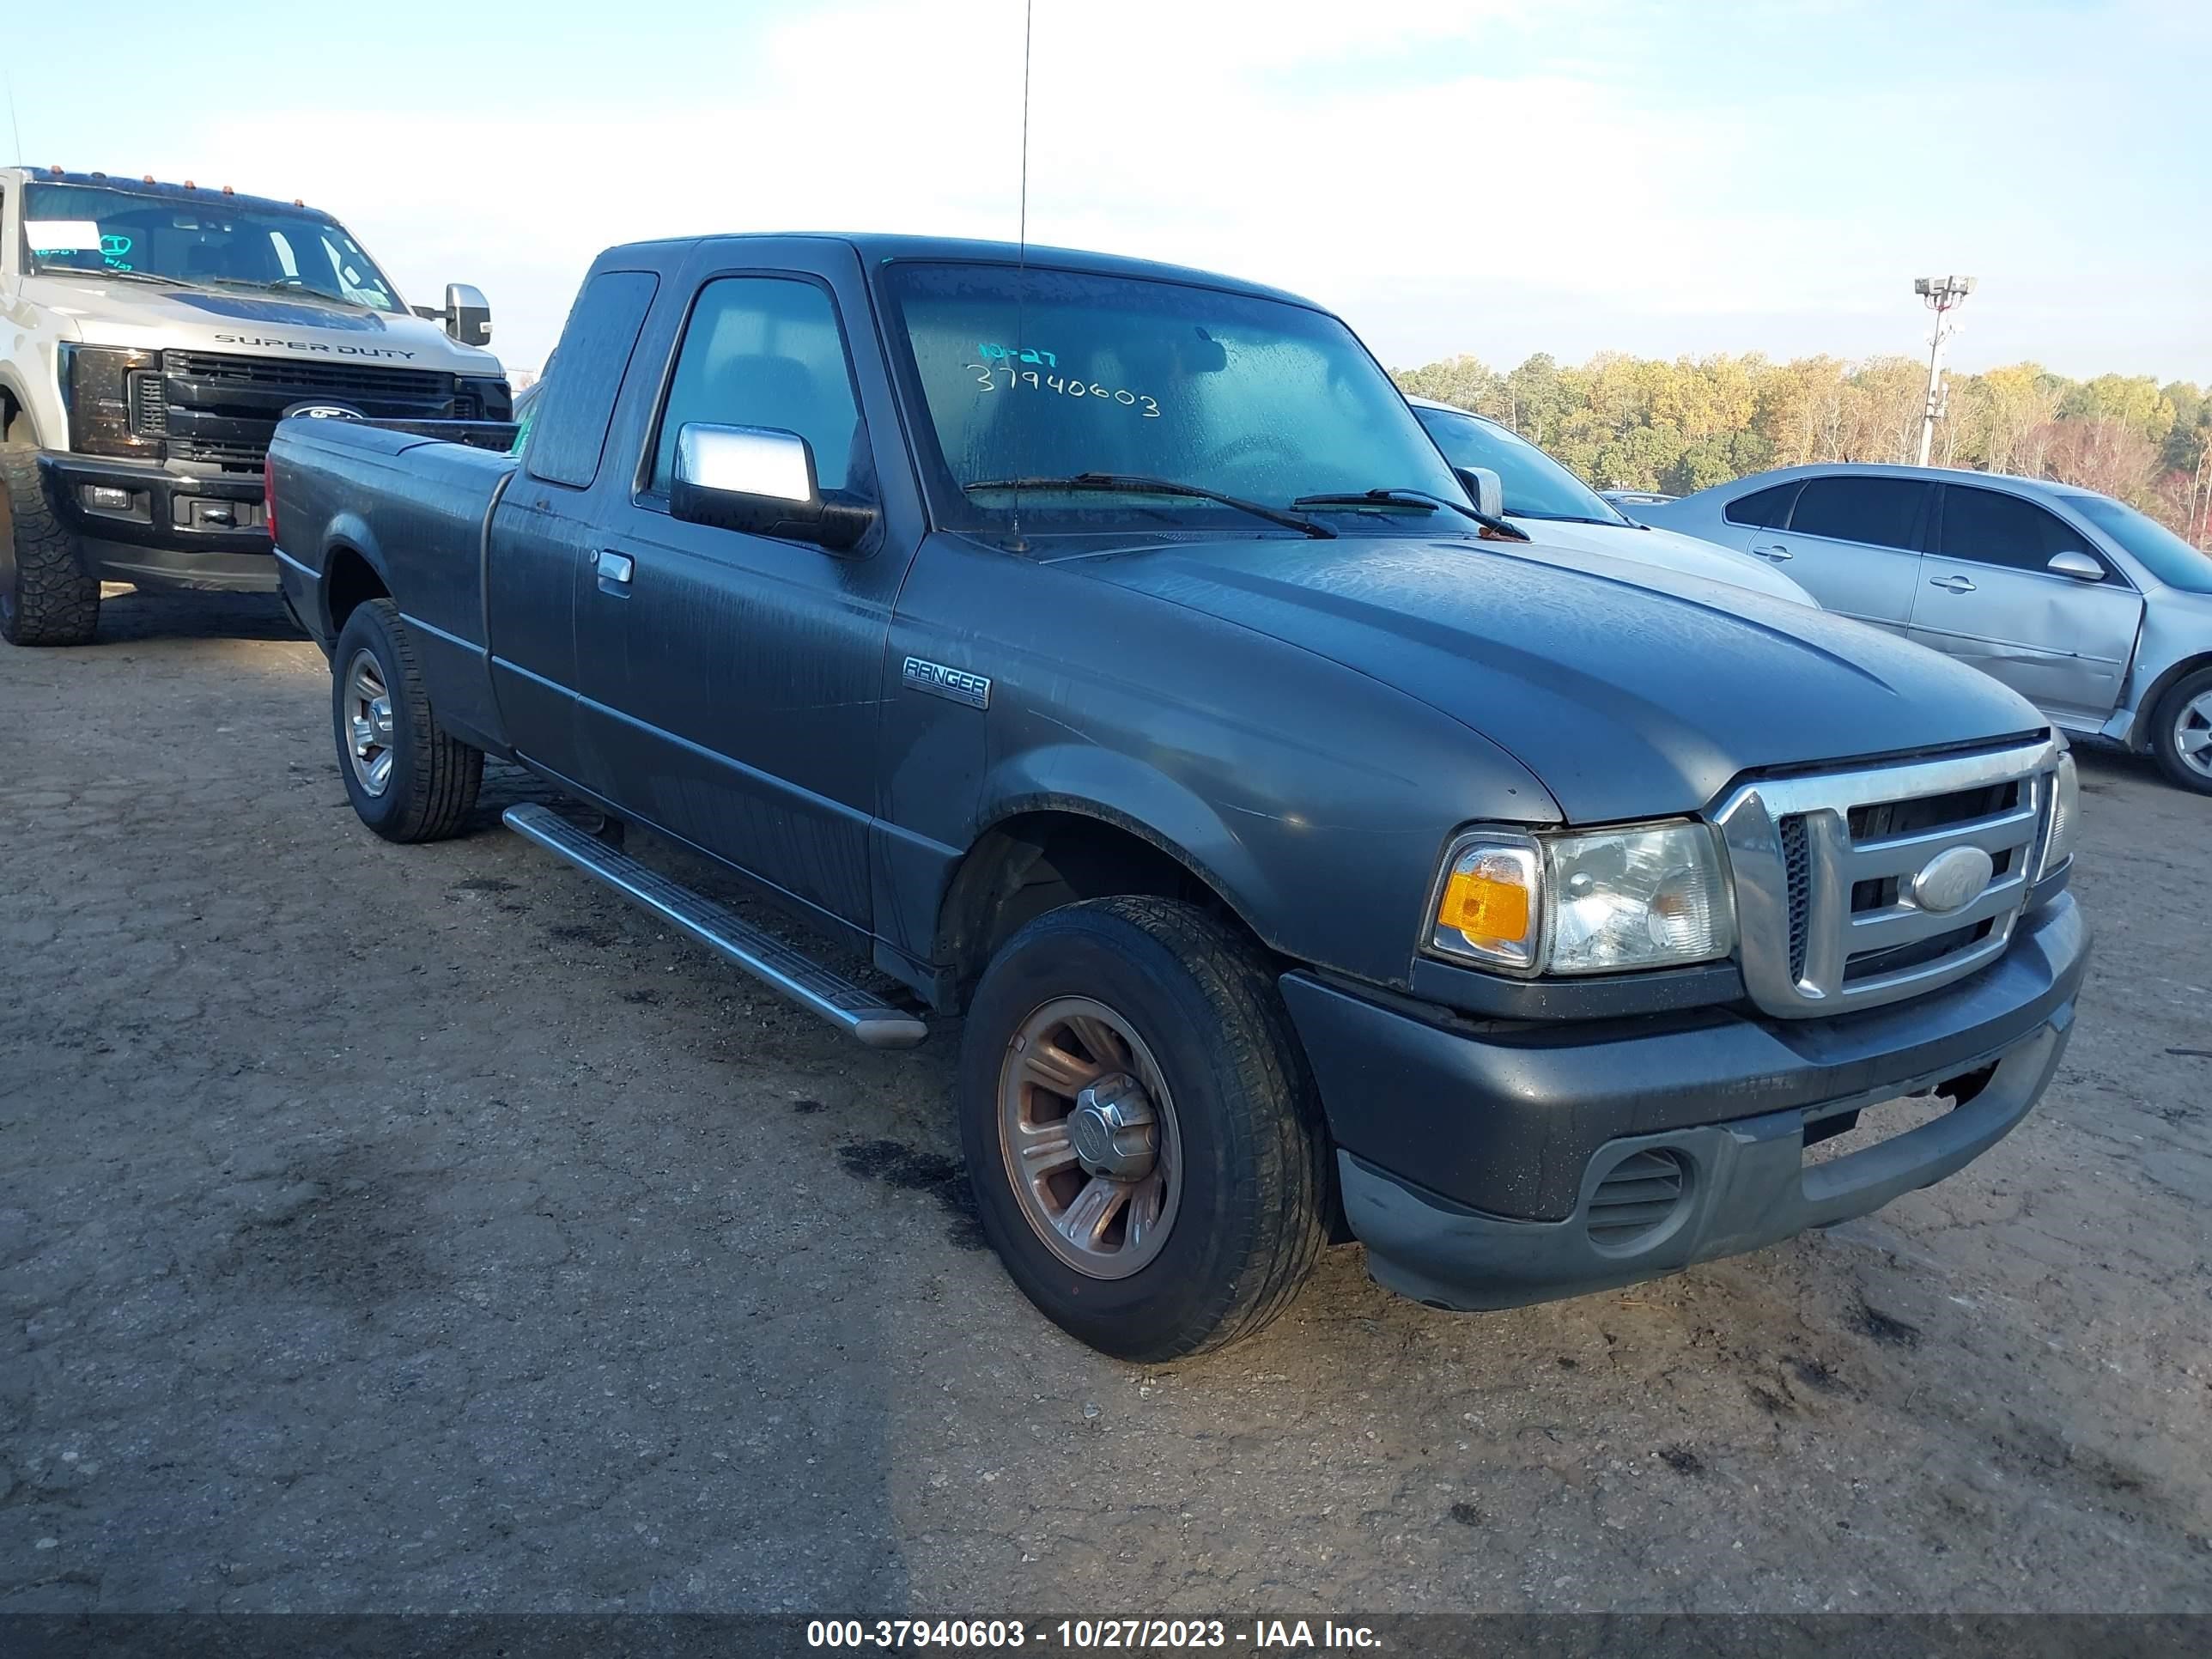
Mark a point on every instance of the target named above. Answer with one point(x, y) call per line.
point(1667, 550)
point(1631, 695)
point(240, 321)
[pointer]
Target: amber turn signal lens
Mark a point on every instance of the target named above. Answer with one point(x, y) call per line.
point(1480, 904)
point(1490, 907)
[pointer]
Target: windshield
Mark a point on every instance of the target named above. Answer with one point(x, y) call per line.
point(2167, 557)
point(1536, 486)
point(1052, 374)
point(212, 242)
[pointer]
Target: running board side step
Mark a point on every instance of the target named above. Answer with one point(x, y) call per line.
point(857, 1012)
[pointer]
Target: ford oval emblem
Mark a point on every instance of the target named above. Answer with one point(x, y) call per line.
point(314, 411)
point(1953, 880)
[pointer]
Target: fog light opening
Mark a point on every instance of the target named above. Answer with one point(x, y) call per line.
point(111, 498)
point(1639, 1201)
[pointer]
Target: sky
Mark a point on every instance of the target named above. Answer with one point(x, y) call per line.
point(1662, 178)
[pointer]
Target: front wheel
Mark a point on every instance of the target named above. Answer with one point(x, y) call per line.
point(45, 597)
point(1141, 1132)
point(407, 778)
point(2181, 732)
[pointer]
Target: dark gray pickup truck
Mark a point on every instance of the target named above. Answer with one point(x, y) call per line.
point(1105, 651)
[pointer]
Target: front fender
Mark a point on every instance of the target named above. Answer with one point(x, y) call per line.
point(38, 398)
point(1120, 790)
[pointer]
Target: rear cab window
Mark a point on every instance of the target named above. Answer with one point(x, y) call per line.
point(570, 431)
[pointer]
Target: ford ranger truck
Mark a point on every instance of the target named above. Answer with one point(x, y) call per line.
point(1104, 654)
point(155, 335)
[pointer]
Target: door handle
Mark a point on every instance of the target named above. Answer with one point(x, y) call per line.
point(615, 567)
point(1774, 555)
point(1952, 584)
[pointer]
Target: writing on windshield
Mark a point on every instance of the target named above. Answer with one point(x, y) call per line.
point(1042, 374)
point(214, 243)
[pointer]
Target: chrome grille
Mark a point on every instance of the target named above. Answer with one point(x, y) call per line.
point(1797, 871)
point(1826, 871)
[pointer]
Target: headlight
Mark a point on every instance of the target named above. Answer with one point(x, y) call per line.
point(489, 398)
point(2065, 812)
point(1606, 902)
point(98, 384)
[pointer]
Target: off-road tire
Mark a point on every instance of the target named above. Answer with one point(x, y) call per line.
point(434, 776)
point(1249, 1221)
point(47, 598)
point(2179, 695)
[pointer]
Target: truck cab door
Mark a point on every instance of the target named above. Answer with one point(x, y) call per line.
point(545, 526)
point(1988, 597)
point(1853, 543)
point(733, 683)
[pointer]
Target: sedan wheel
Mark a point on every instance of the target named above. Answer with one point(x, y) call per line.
point(2181, 731)
point(2192, 734)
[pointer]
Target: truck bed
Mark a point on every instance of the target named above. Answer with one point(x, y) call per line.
point(412, 506)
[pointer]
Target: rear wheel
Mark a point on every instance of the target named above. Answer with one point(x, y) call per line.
point(407, 778)
point(1142, 1136)
point(2181, 731)
point(45, 597)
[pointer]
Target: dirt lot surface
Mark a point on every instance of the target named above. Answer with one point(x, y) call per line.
point(420, 1228)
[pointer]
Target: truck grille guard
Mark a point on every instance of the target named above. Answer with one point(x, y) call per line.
point(1824, 868)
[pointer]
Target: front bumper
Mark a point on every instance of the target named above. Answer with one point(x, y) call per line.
point(1489, 1169)
point(169, 535)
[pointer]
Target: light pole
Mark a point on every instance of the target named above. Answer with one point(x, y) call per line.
point(1942, 295)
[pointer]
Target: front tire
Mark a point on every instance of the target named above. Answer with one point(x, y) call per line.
point(2181, 731)
point(1141, 1132)
point(46, 598)
point(407, 778)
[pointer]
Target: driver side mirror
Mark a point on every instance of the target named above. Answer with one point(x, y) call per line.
point(2080, 566)
point(758, 481)
point(467, 315)
point(1484, 489)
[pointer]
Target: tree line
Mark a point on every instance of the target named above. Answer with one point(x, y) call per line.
point(1629, 422)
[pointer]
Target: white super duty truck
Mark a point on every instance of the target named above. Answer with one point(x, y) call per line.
point(151, 337)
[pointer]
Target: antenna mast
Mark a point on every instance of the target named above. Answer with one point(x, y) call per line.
point(16, 127)
point(1021, 265)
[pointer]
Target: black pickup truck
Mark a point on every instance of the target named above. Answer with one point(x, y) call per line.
point(1105, 651)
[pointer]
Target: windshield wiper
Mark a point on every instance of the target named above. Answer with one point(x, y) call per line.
point(1137, 484)
point(1414, 498)
point(281, 285)
point(1575, 517)
point(107, 273)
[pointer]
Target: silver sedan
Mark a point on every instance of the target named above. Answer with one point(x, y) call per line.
point(2099, 615)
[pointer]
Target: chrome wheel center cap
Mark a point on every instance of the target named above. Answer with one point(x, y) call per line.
point(1113, 1129)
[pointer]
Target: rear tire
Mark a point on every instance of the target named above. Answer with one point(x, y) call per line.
point(2181, 731)
point(407, 778)
point(1241, 1225)
point(46, 598)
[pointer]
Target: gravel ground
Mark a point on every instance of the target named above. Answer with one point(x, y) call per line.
point(395, 1228)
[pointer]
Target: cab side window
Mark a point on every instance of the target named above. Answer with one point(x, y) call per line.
point(1990, 528)
point(767, 352)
